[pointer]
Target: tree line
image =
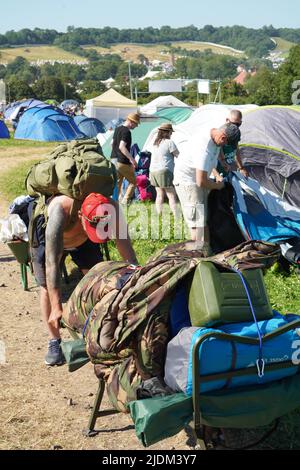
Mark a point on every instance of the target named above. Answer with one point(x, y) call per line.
point(255, 42)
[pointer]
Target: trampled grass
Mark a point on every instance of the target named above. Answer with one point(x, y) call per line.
point(161, 52)
point(36, 53)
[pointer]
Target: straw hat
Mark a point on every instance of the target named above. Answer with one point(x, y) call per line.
point(166, 127)
point(134, 117)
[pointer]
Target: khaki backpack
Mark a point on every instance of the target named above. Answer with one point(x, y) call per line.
point(74, 169)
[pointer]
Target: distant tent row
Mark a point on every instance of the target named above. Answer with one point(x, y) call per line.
point(45, 123)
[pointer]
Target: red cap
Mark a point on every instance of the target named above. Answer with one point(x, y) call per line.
point(96, 214)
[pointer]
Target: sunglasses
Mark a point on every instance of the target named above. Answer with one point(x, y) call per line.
point(237, 124)
point(98, 219)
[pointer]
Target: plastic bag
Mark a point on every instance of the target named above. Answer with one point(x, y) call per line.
point(13, 228)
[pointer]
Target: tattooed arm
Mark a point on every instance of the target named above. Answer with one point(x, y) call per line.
point(54, 252)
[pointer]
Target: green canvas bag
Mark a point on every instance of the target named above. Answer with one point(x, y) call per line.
point(74, 169)
point(75, 353)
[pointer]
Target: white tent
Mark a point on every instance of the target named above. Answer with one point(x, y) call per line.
point(110, 105)
point(168, 101)
point(201, 120)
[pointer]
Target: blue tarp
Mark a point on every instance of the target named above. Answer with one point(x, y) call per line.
point(47, 124)
point(4, 132)
point(89, 126)
point(254, 215)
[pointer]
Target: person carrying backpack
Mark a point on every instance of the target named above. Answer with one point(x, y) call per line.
point(80, 238)
point(69, 215)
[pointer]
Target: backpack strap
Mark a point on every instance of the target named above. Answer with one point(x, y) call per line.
point(39, 208)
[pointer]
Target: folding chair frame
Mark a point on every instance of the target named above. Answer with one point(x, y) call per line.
point(199, 427)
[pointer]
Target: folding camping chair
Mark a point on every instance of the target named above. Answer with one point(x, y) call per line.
point(76, 357)
point(226, 408)
point(20, 250)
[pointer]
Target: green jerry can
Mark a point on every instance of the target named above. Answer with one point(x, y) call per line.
point(217, 296)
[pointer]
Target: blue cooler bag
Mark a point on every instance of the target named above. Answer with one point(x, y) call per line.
point(219, 355)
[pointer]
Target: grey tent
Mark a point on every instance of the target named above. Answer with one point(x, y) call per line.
point(270, 149)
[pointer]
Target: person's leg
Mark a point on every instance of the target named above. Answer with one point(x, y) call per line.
point(45, 311)
point(119, 182)
point(160, 195)
point(171, 195)
point(129, 174)
point(54, 354)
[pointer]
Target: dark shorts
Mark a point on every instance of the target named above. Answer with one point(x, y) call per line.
point(84, 256)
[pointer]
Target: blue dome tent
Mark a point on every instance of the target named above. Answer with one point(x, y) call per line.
point(47, 124)
point(4, 132)
point(89, 126)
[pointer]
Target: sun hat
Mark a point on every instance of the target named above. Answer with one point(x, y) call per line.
point(96, 211)
point(166, 127)
point(134, 117)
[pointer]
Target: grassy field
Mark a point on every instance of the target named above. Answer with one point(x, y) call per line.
point(283, 45)
point(159, 51)
point(35, 53)
point(283, 289)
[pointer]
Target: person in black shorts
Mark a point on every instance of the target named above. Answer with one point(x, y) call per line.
point(78, 232)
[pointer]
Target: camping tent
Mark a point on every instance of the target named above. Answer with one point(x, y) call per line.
point(89, 126)
point(4, 132)
point(270, 149)
point(201, 120)
point(168, 101)
point(47, 124)
point(110, 105)
point(13, 111)
point(175, 115)
point(139, 134)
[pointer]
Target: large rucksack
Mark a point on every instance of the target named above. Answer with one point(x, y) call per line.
point(74, 169)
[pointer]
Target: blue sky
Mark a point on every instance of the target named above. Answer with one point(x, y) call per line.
point(59, 14)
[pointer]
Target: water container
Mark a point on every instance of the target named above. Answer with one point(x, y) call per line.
point(220, 297)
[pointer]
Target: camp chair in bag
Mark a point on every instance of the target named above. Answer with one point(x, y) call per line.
point(20, 250)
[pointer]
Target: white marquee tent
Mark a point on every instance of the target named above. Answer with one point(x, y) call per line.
point(110, 105)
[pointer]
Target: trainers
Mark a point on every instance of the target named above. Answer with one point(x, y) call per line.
point(54, 356)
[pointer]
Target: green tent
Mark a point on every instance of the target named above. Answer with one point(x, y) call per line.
point(176, 115)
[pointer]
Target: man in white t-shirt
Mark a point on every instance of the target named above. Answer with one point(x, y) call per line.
point(192, 179)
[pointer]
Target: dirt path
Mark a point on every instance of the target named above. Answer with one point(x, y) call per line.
point(35, 410)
